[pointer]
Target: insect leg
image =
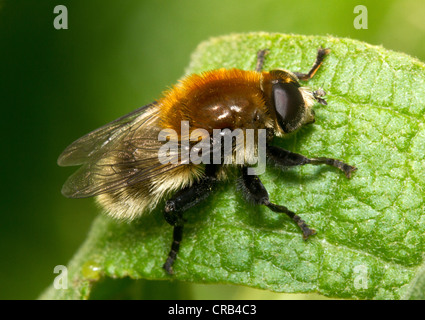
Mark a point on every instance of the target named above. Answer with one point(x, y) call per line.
point(285, 158)
point(321, 53)
point(179, 203)
point(255, 192)
point(261, 54)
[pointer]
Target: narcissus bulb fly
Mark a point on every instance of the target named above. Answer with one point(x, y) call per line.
point(181, 146)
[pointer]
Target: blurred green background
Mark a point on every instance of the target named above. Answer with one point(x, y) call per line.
point(57, 85)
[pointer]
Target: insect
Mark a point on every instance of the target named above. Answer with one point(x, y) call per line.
point(120, 163)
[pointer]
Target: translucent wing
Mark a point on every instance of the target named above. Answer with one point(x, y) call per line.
point(81, 150)
point(121, 153)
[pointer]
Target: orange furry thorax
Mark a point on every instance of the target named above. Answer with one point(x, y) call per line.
point(215, 99)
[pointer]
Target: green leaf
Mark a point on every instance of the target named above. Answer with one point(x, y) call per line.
point(370, 229)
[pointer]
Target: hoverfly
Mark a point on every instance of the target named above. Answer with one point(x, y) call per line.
point(120, 163)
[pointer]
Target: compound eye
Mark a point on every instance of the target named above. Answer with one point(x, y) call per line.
point(289, 105)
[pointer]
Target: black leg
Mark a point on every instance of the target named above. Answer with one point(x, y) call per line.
point(260, 59)
point(321, 53)
point(255, 192)
point(285, 158)
point(179, 203)
point(175, 246)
